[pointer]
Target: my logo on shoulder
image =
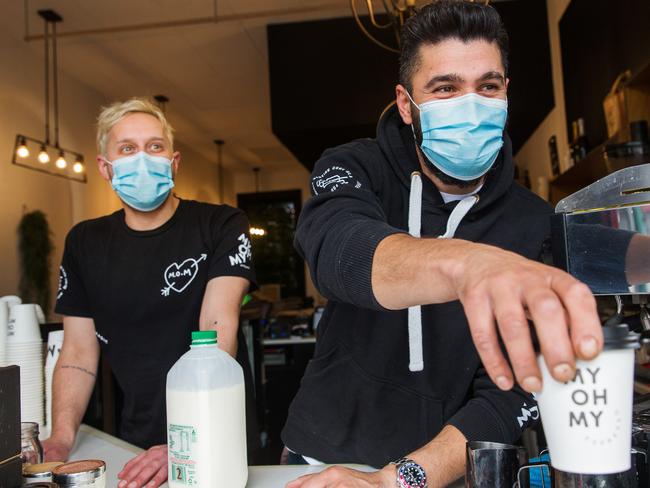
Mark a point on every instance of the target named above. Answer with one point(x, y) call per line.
point(527, 413)
point(244, 253)
point(63, 282)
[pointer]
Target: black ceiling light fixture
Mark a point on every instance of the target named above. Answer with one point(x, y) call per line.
point(36, 154)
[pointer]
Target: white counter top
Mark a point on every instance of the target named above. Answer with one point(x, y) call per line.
point(94, 444)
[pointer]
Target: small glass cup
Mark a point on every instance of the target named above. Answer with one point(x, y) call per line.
point(31, 448)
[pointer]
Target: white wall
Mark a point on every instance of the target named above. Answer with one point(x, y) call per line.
point(197, 177)
point(64, 202)
point(534, 154)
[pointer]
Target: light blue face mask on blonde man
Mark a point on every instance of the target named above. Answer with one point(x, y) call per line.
point(462, 136)
point(142, 181)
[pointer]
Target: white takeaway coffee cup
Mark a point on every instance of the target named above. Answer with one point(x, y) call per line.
point(588, 421)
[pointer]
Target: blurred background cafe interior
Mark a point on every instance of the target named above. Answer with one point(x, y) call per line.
point(256, 90)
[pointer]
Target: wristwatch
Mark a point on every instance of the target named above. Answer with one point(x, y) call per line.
point(410, 474)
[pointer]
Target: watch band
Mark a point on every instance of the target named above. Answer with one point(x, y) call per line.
point(409, 474)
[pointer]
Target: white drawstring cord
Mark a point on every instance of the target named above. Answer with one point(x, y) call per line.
point(416, 357)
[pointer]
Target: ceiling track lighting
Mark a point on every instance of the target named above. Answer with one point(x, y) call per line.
point(36, 154)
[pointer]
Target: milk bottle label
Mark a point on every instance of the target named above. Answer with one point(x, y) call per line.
point(182, 444)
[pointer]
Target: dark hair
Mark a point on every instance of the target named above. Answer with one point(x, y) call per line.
point(449, 19)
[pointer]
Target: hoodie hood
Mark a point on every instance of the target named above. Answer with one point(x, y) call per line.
point(398, 145)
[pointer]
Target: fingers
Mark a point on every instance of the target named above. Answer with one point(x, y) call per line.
point(298, 482)
point(149, 466)
point(550, 319)
point(580, 304)
point(159, 478)
point(131, 465)
point(146, 474)
point(480, 316)
point(514, 331)
point(330, 477)
point(499, 290)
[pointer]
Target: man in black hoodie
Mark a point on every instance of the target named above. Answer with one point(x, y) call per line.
point(386, 382)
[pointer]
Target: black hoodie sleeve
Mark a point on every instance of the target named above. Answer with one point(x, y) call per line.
point(493, 414)
point(342, 224)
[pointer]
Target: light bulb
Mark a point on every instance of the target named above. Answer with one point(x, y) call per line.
point(22, 150)
point(61, 163)
point(78, 167)
point(43, 156)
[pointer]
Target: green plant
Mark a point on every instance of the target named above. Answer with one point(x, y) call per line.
point(34, 249)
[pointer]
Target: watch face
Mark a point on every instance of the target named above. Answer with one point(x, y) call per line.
point(411, 475)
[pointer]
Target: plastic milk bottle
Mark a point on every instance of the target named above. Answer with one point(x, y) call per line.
point(206, 418)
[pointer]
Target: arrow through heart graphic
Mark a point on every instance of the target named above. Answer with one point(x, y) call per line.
point(179, 276)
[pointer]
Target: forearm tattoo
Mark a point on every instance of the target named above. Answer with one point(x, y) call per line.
point(72, 366)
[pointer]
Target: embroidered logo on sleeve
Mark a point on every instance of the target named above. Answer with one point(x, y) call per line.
point(244, 253)
point(527, 413)
point(178, 276)
point(63, 282)
point(332, 179)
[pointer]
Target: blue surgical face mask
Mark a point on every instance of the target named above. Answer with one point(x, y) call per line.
point(462, 136)
point(142, 181)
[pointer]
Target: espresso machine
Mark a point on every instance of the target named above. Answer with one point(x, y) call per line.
point(601, 236)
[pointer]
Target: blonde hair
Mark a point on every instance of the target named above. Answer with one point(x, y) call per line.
point(112, 114)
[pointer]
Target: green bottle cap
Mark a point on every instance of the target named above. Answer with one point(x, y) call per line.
point(204, 337)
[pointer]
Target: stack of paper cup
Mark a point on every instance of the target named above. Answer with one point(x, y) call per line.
point(54, 344)
point(25, 349)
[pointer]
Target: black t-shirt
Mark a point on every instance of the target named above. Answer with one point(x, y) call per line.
point(144, 291)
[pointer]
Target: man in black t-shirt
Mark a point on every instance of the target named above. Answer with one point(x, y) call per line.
point(137, 282)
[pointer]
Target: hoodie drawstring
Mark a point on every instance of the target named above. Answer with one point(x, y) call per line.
point(416, 358)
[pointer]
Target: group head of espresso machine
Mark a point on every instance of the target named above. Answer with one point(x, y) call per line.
point(601, 236)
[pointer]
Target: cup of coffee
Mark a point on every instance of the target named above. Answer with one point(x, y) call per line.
point(588, 421)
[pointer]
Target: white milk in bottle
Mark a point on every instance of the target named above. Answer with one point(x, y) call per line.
point(206, 418)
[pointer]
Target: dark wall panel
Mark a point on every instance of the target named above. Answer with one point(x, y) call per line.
point(329, 83)
point(600, 39)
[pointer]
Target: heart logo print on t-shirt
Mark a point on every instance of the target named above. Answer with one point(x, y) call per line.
point(179, 276)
